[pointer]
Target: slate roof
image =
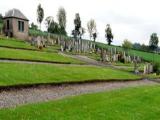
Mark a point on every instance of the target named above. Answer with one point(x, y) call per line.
point(15, 13)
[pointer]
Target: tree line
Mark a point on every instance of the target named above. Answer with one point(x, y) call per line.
point(60, 27)
point(152, 47)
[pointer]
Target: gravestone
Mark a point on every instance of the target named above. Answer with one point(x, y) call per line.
point(114, 58)
point(148, 68)
point(39, 43)
point(103, 55)
point(62, 48)
point(136, 71)
point(107, 58)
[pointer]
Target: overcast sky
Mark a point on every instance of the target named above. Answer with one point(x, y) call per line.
point(131, 19)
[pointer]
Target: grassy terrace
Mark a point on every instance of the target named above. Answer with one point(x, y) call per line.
point(11, 42)
point(14, 73)
point(35, 55)
point(140, 103)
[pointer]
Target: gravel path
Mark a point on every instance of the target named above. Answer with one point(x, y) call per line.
point(34, 62)
point(90, 61)
point(84, 59)
point(13, 98)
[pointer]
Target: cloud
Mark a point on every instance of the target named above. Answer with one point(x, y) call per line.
point(131, 19)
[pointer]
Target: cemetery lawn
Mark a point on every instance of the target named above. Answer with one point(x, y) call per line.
point(11, 42)
point(136, 103)
point(36, 55)
point(20, 73)
point(15, 43)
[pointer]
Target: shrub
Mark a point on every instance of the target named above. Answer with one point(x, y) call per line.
point(156, 68)
point(122, 60)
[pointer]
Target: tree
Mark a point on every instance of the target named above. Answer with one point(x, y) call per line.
point(48, 21)
point(40, 14)
point(127, 45)
point(137, 46)
point(33, 26)
point(153, 43)
point(78, 31)
point(82, 32)
point(61, 16)
point(94, 36)
point(145, 48)
point(91, 25)
point(108, 35)
point(54, 28)
point(77, 24)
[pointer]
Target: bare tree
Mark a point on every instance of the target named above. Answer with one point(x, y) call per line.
point(61, 16)
point(48, 21)
point(40, 14)
point(91, 25)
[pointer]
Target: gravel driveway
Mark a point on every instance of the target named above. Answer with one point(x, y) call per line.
point(12, 98)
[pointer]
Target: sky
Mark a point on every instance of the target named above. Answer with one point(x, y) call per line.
point(134, 20)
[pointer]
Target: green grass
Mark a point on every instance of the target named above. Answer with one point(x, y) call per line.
point(129, 66)
point(152, 76)
point(146, 56)
point(138, 103)
point(14, 73)
point(35, 55)
point(11, 42)
point(54, 48)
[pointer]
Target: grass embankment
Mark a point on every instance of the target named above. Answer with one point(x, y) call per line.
point(11, 42)
point(35, 55)
point(14, 73)
point(138, 103)
point(21, 44)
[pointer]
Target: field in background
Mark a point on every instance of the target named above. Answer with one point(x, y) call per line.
point(145, 55)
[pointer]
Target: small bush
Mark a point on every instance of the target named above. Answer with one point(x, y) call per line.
point(122, 60)
point(156, 68)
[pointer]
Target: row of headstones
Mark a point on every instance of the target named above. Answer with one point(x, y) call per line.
point(66, 45)
point(76, 45)
point(41, 42)
point(116, 56)
point(84, 46)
